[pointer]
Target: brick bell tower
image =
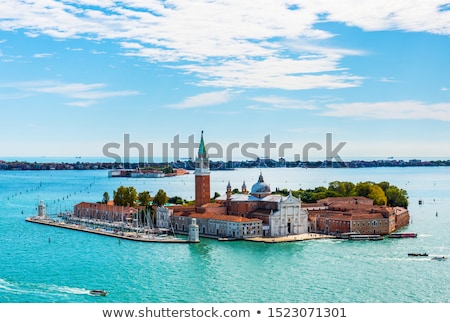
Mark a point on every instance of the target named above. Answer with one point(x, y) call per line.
point(202, 186)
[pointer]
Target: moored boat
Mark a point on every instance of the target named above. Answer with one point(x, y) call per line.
point(415, 254)
point(403, 235)
point(226, 239)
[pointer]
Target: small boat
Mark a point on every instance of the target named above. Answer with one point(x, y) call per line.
point(346, 235)
point(98, 292)
point(403, 235)
point(414, 254)
point(225, 239)
point(439, 258)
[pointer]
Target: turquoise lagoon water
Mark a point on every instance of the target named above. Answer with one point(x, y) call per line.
point(40, 264)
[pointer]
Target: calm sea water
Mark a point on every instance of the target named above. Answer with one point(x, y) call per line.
point(40, 264)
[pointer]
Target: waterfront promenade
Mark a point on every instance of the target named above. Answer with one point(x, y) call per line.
point(119, 234)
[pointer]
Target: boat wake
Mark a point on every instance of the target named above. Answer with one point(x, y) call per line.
point(43, 290)
point(406, 259)
point(69, 290)
point(6, 286)
point(327, 241)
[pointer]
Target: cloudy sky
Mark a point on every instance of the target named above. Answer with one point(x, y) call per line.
point(79, 76)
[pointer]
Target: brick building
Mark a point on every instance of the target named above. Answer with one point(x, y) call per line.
point(354, 214)
point(105, 212)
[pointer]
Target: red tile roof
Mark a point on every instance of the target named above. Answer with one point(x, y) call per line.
point(109, 208)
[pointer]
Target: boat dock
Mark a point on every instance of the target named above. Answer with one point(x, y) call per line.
point(116, 234)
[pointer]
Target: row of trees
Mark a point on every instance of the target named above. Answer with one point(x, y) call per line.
point(381, 193)
point(128, 196)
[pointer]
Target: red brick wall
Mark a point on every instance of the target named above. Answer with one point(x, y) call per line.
point(402, 220)
point(202, 190)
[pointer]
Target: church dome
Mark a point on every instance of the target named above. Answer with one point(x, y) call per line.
point(260, 187)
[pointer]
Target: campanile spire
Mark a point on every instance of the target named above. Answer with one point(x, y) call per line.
point(201, 148)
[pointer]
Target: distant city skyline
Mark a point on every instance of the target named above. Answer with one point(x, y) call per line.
point(78, 75)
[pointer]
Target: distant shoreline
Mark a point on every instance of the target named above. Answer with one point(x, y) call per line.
point(220, 165)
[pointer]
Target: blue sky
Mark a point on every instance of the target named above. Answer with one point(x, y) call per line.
point(77, 75)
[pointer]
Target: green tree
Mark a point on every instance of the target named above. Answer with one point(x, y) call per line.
point(307, 196)
point(384, 186)
point(105, 199)
point(361, 189)
point(382, 193)
point(160, 198)
point(144, 199)
point(341, 188)
point(284, 191)
point(216, 195)
point(377, 195)
point(370, 190)
point(175, 200)
point(396, 197)
point(125, 196)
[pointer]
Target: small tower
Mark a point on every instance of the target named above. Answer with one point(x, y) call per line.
point(193, 231)
point(229, 191)
point(244, 188)
point(202, 182)
point(41, 210)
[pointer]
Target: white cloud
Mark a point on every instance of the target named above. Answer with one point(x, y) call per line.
point(444, 88)
point(74, 49)
point(96, 52)
point(413, 110)
point(388, 80)
point(203, 99)
point(13, 96)
point(131, 45)
point(277, 102)
point(69, 89)
point(43, 55)
point(265, 43)
point(84, 91)
point(260, 108)
point(82, 104)
point(407, 15)
point(288, 74)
